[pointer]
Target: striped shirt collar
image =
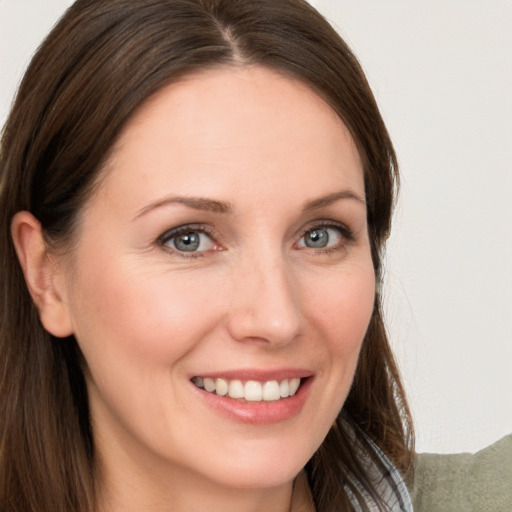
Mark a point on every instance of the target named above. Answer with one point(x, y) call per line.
point(389, 483)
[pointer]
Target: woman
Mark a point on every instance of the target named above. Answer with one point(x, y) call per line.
point(195, 199)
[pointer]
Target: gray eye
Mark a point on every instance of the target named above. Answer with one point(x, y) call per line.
point(187, 242)
point(321, 237)
point(317, 238)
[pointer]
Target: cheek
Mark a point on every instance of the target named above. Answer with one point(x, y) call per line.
point(341, 314)
point(344, 305)
point(140, 320)
point(136, 331)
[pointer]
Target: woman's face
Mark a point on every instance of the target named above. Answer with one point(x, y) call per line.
point(227, 244)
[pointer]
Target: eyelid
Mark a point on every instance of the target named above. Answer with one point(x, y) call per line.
point(327, 223)
point(184, 228)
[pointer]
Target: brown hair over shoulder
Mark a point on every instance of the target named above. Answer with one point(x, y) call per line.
point(98, 65)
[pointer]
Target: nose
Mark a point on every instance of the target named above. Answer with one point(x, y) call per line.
point(265, 303)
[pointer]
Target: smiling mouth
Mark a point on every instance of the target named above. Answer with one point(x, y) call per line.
point(251, 390)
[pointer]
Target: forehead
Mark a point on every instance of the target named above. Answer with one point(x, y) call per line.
point(243, 126)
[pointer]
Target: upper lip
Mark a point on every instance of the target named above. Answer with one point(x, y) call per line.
point(261, 375)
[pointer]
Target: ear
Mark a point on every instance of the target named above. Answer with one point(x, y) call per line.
point(44, 278)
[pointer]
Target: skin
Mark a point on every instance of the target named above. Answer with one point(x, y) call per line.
point(255, 296)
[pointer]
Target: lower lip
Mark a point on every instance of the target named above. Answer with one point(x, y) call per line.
point(259, 413)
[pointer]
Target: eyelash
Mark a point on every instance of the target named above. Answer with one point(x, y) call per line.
point(345, 233)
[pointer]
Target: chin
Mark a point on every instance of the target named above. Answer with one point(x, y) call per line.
point(260, 477)
point(260, 466)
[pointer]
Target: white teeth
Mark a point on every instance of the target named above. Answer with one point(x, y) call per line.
point(236, 389)
point(271, 391)
point(221, 387)
point(294, 385)
point(252, 390)
point(284, 389)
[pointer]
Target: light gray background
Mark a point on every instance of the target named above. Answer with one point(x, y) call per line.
point(442, 74)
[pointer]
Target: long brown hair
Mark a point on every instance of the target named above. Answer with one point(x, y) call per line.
point(98, 65)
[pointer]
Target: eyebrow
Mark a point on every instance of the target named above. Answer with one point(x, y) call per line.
point(331, 198)
point(216, 206)
point(197, 203)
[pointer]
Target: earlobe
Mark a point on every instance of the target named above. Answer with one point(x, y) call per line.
point(41, 274)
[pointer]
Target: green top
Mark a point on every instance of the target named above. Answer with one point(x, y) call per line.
point(464, 482)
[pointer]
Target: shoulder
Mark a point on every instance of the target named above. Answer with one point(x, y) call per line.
point(464, 482)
